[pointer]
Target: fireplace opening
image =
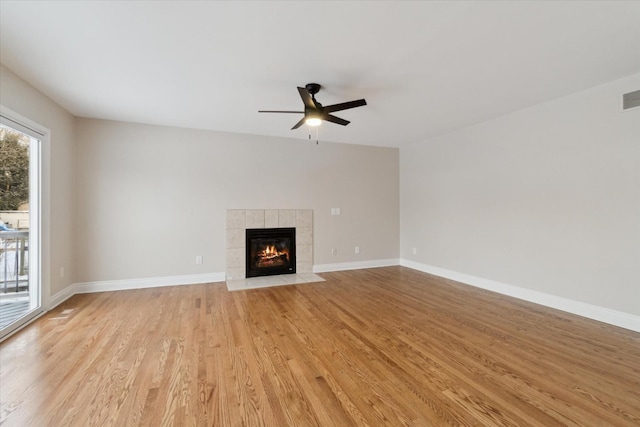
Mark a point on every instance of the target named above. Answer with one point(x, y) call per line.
point(270, 251)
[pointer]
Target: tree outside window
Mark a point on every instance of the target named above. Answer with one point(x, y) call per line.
point(14, 170)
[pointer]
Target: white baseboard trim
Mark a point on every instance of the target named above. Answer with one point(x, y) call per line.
point(147, 282)
point(120, 285)
point(357, 265)
point(60, 297)
point(602, 314)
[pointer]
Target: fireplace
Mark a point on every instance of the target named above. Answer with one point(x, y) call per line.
point(270, 251)
point(239, 220)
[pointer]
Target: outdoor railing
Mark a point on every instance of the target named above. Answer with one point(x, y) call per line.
point(14, 261)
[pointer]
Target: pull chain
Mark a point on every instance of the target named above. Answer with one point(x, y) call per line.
point(316, 135)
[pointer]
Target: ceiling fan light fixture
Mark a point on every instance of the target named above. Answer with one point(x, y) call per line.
point(313, 121)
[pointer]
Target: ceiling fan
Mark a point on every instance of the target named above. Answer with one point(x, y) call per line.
point(314, 112)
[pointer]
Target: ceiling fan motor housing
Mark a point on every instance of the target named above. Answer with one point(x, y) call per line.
point(313, 88)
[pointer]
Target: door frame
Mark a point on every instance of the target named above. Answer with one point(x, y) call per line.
point(39, 214)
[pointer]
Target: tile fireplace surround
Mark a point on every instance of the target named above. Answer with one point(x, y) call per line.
point(238, 220)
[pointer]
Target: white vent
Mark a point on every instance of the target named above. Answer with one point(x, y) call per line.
point(631, 100)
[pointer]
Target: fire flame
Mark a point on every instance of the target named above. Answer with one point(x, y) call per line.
point(271, 252)
point(270, 256)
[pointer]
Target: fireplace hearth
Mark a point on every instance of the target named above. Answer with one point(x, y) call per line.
point(239, 220)
point(270, 251)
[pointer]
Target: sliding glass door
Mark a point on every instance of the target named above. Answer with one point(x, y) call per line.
point(20, 283)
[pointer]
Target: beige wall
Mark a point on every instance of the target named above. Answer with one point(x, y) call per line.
point(151, 198)
point(546, 199)
point(58, 180)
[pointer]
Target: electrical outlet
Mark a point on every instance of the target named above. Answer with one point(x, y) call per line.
point(61, 272)
point(334, 251)
point(357, 250)
point(198, 259)
point(415, 251)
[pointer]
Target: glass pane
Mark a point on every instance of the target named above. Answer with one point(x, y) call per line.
point(17, 294)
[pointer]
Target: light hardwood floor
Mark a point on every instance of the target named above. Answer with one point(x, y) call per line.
point(385, 346)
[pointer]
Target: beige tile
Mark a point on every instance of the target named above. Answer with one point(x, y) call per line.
point(271, 218)
point(235, 258)
point(304, 235)
point(236, 238)
point(304, 267)
point(304, 218)
point(272, 280)
point(255, 218)
point(235, 273)
point(304, 253)
point(286, 218)
point(235, 218)
point(269, 281)
point(289, 279)
point(261, 281)
point(309, 278)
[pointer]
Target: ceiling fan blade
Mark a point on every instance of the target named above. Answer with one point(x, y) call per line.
point(334, 119)
point(280, 111)
point(300, 123)
point(344, 106)
point(307, 99)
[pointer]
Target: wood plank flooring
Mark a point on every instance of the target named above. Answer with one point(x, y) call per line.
point(385, 346)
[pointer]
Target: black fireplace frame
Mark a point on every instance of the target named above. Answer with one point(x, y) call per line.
point(267, 233)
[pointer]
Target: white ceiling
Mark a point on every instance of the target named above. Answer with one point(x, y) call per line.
point(425, 68)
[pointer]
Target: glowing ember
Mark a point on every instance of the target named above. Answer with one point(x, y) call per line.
point(270, 256)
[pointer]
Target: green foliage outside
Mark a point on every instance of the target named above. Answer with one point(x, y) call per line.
point(14, 170)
